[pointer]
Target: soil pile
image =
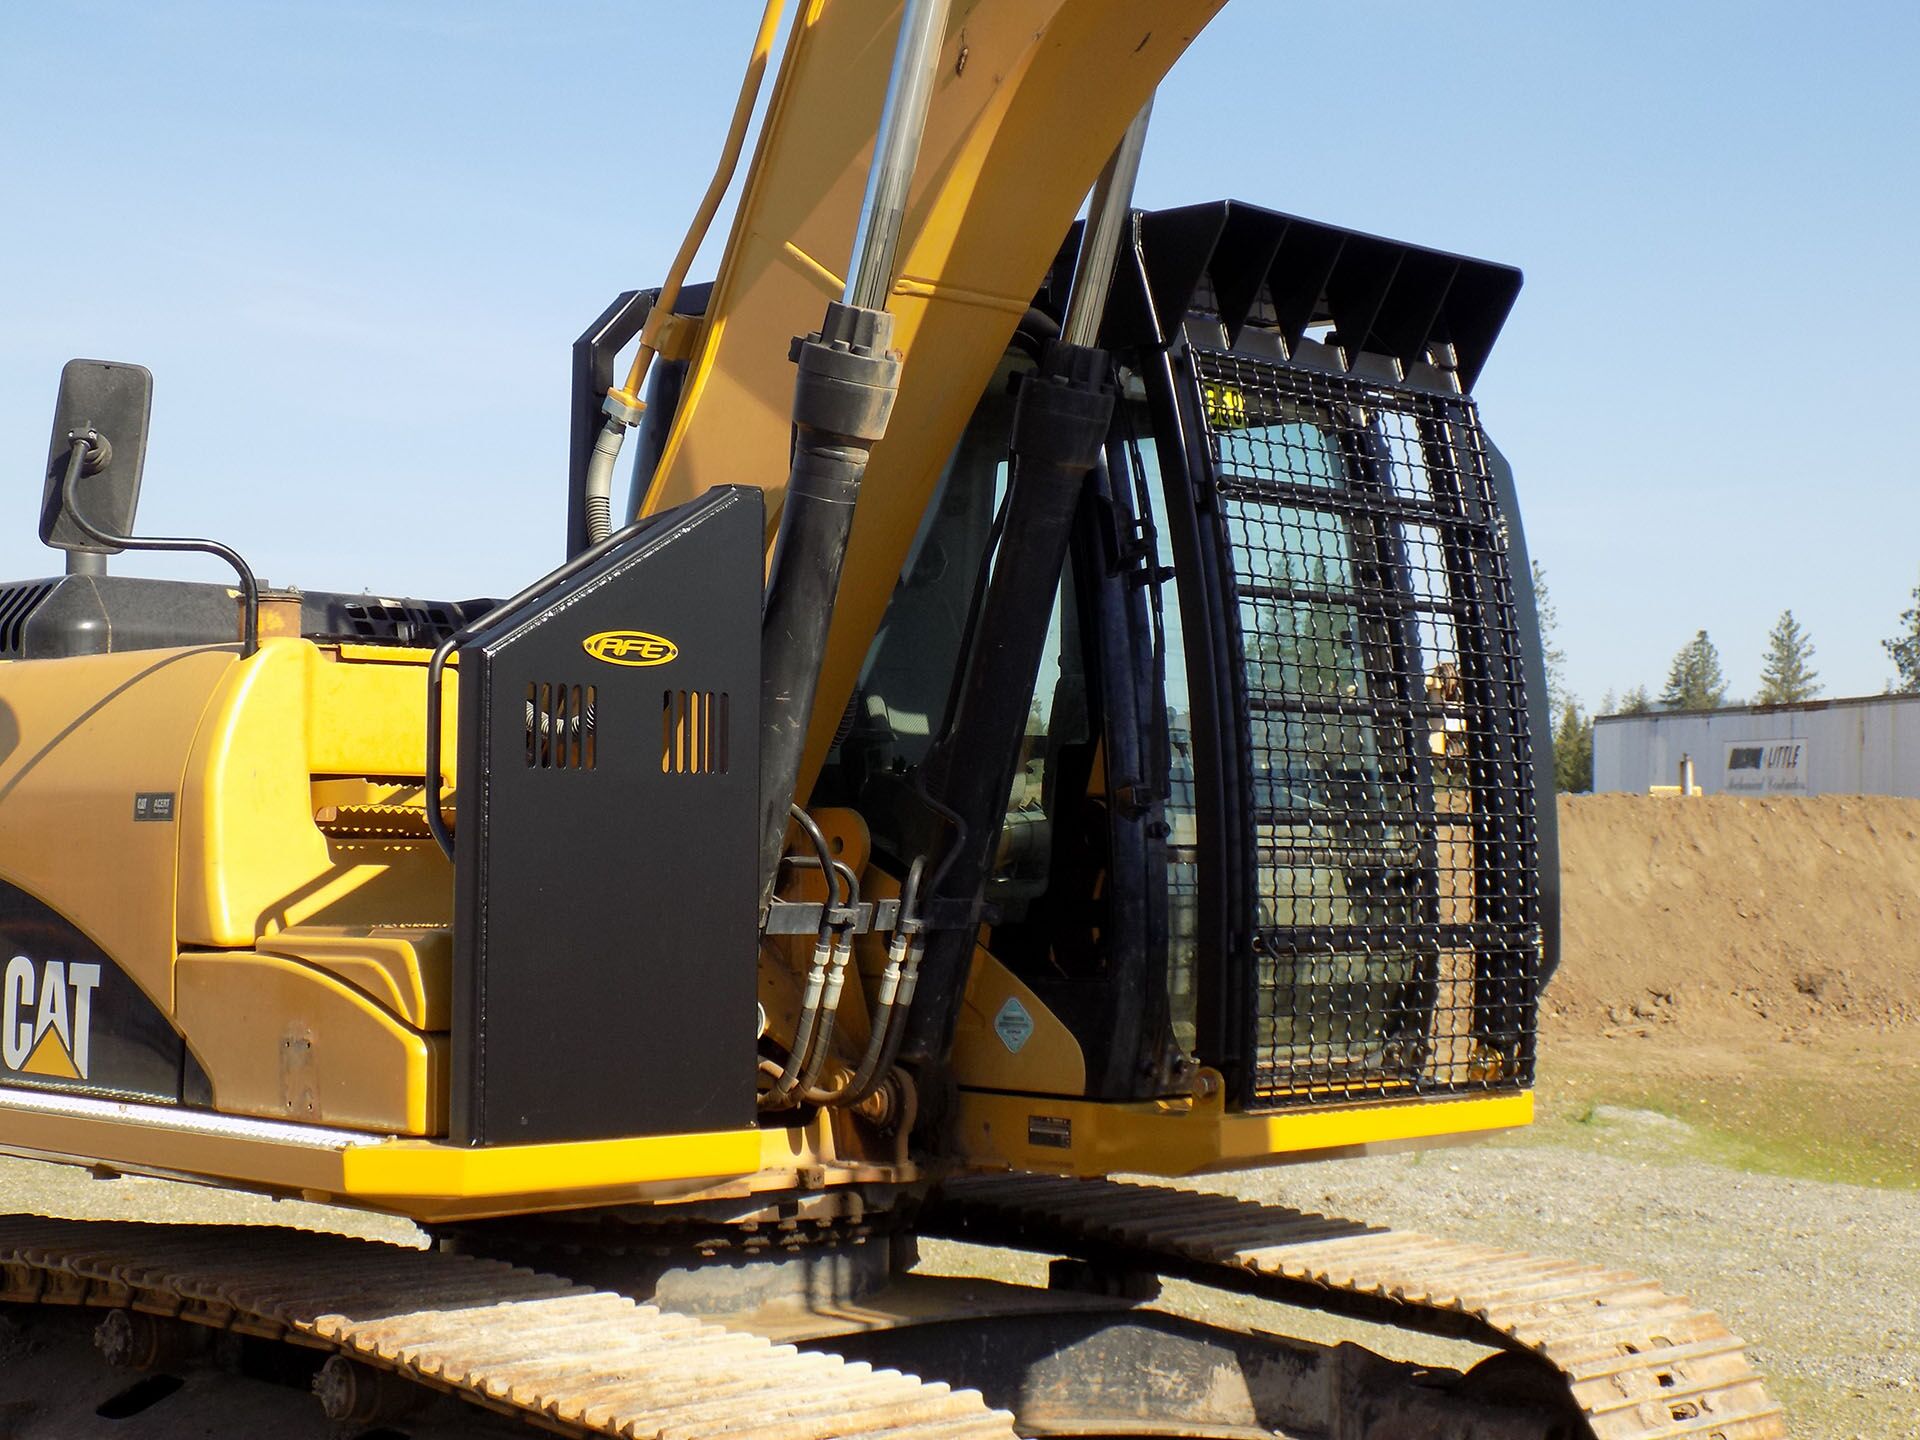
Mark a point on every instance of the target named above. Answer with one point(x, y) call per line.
point(1775, 915)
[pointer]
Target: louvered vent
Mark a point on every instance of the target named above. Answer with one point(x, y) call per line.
point(402, 622)
point(693, 732)
point(561, 734)
point(17, 604)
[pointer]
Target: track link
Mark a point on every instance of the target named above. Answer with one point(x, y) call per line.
point(569, 1358)
point(1639, 1363)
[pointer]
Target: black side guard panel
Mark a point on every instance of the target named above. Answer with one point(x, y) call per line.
point(605, 892)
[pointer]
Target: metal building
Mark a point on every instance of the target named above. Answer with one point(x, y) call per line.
point(1867, 746)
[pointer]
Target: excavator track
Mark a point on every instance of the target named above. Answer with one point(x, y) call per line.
point(563, 1356)
point(1639, 1363)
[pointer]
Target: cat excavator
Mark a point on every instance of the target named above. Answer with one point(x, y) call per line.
point(1056, 700)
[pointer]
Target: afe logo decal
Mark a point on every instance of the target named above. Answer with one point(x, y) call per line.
point(46, 1017)
point(630, 647)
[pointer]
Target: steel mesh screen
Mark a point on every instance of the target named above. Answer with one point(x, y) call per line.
point(1396, 939)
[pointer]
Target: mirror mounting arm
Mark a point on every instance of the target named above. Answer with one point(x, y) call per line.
point(89, 452)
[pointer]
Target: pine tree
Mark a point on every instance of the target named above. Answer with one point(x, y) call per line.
point(1904, 649)
point(1787, 675)
point(1554, 658)
point(1573, 750)
point(1636, 702)
point(1695, 680)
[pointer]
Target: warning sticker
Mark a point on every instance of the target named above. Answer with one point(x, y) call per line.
point(1013, 1025)
point(1054, 1132)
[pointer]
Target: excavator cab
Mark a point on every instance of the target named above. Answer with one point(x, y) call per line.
point(1273, 832)
point(1270, 843)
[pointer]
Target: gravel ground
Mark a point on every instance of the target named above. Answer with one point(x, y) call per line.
point(1821, 1279)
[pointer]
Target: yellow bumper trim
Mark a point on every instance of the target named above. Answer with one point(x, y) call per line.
point(424, 1170)
point(1186, 1137)
point(423, 1179)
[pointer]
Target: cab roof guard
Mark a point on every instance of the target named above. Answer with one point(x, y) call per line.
point(1286, 276)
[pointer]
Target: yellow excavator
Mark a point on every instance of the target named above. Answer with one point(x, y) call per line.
point(1055, 700)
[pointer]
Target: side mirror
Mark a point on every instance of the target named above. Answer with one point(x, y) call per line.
point(114, 401)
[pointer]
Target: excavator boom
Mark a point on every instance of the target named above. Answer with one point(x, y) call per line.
point(1028, 101)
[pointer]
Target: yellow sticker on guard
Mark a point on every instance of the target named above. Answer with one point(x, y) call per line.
point(630, 647)
point(1226, 406)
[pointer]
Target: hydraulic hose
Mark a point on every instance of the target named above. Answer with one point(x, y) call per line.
point(624, 405)
point(1061, 420)
point(820, 1043)
point(826, 942)
point(599, 486)
point(1060, 424)
point(709, 203)
point(788, 1082)
point(843, 395)
point(848, 376)
point(894, 994)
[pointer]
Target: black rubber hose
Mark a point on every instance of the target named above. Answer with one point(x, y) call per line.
point(883, 1037)
point(1061, 419)
point(821, 1042)
point(825, 940)
point(843, 396)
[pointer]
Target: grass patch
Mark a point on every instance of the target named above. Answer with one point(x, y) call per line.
point(1776, 1109)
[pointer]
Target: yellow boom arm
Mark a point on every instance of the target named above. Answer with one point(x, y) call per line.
point(1031, 99)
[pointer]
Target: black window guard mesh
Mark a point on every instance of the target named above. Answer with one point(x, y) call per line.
point(1395, 944)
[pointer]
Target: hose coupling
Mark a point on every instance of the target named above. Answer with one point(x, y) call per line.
point(623, 409)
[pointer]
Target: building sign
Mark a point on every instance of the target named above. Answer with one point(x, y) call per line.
point(1768, 767)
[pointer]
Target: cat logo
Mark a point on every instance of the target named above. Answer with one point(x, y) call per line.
point(630, 647)
point(46, 1017)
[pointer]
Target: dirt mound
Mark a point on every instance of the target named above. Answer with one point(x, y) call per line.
point(1776, 914)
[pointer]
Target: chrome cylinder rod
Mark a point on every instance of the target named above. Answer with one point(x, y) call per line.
point(1100, 239)
point(896, 149)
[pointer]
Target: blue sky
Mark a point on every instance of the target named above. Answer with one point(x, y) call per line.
point(354, 241)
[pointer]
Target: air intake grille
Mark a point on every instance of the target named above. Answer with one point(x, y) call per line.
point(17, 604)
point(1388, 803)
point(400, 622)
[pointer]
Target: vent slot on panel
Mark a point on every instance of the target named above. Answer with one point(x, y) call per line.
point(561, 734)
point(402, 622)
point(17, 604)
point(693, 732)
